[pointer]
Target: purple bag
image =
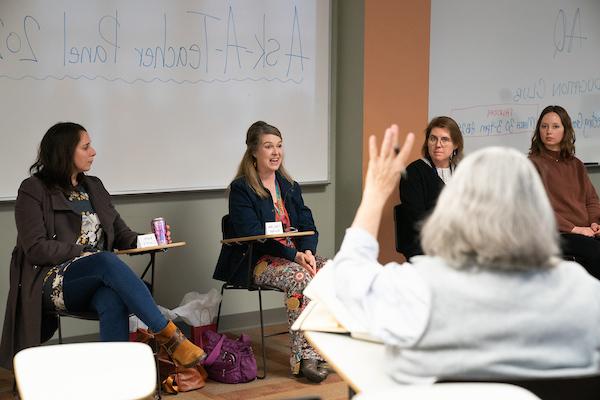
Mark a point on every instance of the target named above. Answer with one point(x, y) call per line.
point(229, 360)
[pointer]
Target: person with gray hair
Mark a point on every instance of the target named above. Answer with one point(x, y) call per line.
point(490, 298)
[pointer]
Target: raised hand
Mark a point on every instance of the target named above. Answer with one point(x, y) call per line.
point(383, 176)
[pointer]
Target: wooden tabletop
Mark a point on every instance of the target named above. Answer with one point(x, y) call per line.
point(263, 237)
point(151, 249)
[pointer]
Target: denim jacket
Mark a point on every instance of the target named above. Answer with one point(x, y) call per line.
point(248, 214)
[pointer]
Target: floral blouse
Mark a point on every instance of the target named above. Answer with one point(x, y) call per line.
point(281, 215)
point(91, 236)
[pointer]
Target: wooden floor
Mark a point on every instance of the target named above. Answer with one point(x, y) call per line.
point(279, 383)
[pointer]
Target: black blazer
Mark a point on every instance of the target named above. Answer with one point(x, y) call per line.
point(420, 188)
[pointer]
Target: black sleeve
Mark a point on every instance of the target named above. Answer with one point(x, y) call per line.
point(413, 194)
point(305, 223)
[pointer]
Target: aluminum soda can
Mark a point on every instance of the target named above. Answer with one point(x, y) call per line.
point(159, 228)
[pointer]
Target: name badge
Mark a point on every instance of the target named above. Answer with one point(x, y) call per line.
point(273, 228)
point(148, 240)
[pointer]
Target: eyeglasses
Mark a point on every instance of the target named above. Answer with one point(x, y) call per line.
point(444, 140)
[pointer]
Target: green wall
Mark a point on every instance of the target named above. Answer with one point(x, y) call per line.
point(349, 46)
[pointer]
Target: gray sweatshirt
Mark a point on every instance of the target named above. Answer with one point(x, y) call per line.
point(441, 322)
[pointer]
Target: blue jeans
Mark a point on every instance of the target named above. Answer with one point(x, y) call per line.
point(103, 283)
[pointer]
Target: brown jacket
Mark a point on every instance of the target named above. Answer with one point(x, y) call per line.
point(47, 229)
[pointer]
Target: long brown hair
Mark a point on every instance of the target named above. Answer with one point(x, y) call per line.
point(567, 144)
point(247, 167)
point(455, 135)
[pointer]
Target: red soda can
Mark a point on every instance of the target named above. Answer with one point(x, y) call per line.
point(159, 228)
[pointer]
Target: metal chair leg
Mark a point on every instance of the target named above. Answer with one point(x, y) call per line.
point(158, 392)
point(262, 336)
point(15, 391)
point(60, 339)
point(220, 304)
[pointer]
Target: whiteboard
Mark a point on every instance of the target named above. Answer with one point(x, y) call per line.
point(495, 65)
point(166, 89)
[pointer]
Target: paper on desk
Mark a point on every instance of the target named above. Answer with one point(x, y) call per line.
point(316, 317)
point(326, 312)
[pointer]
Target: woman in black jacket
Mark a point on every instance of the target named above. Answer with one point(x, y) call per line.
point(264, 192)
point(425, 178)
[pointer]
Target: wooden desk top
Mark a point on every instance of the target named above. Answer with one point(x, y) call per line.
point(262, 237)
point(145, 250)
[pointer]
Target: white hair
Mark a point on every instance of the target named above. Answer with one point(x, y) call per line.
point(494, 213)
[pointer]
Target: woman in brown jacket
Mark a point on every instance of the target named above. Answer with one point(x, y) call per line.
point(571, 193)
point(67, 228)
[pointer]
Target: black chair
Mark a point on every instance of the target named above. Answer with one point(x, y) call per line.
point(570, 257)
point(249, 245)
point(402, 228)
point(586, 387)
point(88, 316)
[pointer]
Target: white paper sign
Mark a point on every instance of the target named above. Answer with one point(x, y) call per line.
point(148, 240)
point(273, 228)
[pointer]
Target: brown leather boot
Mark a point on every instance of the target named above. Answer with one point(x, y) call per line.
point(180, 349)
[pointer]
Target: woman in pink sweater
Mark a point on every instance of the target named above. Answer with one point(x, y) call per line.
point(571, 193)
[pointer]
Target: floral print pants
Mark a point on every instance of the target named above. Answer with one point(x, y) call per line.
point(292, 278)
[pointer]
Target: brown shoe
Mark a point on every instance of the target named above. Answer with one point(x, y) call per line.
point(311, 370)
point(180, 349)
